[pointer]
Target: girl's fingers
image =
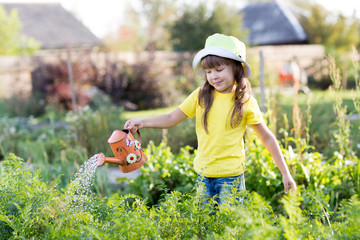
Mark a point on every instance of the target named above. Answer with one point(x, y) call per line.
point(286, 187)
point(292, 186)
point(128, 125)
point(131, 126)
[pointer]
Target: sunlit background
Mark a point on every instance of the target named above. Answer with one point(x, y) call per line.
point(104, 16)
point(72, 73)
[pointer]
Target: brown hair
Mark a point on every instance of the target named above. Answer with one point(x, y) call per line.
point(242, 91)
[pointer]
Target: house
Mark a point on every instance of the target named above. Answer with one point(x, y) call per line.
point(276, 35)
point(273, 23)
point(57, 30)
point(52, 25)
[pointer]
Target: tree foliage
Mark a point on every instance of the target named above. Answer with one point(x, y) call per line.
point(144, 27)
point(129, 36)
point(12, 42)
point(194, 25)
point(158, 13)
point(337, 32)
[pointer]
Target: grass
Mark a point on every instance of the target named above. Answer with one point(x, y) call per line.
point(322, 115)
point(177, 137)
point(321, 112)
point(147, 113)
point(327, 207)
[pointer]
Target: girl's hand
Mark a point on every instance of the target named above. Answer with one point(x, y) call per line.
point(133, 125)
point(289, 181)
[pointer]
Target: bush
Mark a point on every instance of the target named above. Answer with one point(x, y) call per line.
point(135, 86)
point(163, 172)
point(31, 209)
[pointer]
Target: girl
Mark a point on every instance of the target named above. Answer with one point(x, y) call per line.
point(223, 107)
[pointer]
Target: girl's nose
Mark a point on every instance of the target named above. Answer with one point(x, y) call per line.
point(212, 75)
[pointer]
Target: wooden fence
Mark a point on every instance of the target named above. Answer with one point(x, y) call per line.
point(15, 72)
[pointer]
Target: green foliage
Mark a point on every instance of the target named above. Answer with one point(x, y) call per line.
point(129, 37)
point(158, 13)
point(323, 118)
point(350, 212)
point(342, 136)
point(145, 27)
point(16, 106)
point(135, 86)
point(12, 42)
point(340, 34)
point(167, 204)
point(141, 86)
point(163, 172)
point(61, 142)
point(31, 209)
point(191, 29)
point(23, 201)
point(335, 175)
point(9, 129)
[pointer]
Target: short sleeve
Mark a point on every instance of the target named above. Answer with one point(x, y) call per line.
point(188, 106)
point(253, 113)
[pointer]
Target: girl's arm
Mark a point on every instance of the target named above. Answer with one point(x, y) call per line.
point(271, 144)
point(167, 120)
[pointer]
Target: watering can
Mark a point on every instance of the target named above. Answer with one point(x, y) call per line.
point(127, 151)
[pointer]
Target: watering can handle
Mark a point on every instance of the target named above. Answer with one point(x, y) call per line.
point(139, 136)
point(138, 132)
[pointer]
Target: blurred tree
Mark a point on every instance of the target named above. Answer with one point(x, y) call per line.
point(12, 42)
point(129, 36)
point(258, 1)
point(338, 32)
point(145, 26)
point(159, 13)
point(304, 4)
point(345, 33)
point(195, 24)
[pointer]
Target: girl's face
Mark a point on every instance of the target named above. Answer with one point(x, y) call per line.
point(221, 78)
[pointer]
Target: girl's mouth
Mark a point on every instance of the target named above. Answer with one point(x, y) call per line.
point(217, 83)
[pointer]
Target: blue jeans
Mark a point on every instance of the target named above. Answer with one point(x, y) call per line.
point(221, 187)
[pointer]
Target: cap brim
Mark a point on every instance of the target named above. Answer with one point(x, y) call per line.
point(221, 52)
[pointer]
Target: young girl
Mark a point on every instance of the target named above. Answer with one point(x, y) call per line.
point(223, 107)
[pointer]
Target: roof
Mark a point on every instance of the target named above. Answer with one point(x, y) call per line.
point(52, 25)
point(272, 23)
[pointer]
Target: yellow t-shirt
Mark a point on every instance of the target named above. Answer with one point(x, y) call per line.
point(221, 152)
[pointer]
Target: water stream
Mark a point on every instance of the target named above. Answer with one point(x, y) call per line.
point(79, 194)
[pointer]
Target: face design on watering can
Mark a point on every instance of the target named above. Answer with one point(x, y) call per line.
point(221, 78)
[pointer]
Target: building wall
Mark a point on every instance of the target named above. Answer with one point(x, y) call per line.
point(15, 76)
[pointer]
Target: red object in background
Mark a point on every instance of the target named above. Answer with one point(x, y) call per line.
point(289, 73)
point(63, 91)
point(285, 78)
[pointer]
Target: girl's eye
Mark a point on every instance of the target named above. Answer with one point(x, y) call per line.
point(219, 69)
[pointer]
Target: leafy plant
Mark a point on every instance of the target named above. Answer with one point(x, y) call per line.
point(32, 209)
point(163, 172)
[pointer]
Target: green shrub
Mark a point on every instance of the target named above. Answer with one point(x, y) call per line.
point(23, 199)
point(32, 209)
point(163, 172)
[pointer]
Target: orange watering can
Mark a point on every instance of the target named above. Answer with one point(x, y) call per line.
point(127, 151)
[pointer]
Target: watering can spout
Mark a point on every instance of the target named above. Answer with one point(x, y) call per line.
point(101, 159)
point(127, 151)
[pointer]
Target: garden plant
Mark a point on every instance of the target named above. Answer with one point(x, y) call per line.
point(41, 161)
